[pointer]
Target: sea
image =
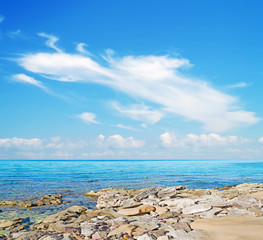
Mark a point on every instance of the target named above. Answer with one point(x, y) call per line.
point(29, 180)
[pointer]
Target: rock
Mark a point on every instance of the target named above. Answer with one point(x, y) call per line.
point(245, 228)
point(182, 225)
point(57, 221)
point(99, 235)
point(3, 237)
point(161, 210)
point(258, 195)
point(211, 213)
point(137, 210)
point(148, 192)
point(122, 229)
point(239, 212)
point(48, 238)
point(50, 200)
point(93, 194)
point(167, 192)
point(197, 208)
point(178, 203)
point(28, 235)
point(8, 203)
point(147, 236)
point(26, 204)
point(5, 223)
point(183, 235)
point(169, 215)
point(163, 238)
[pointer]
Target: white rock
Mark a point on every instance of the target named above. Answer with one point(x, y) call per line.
point(147, 237)
point(197, 208)
point(183, 235)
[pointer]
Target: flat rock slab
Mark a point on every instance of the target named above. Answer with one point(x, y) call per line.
point(197, 208)
point(230, 228)
point(258, 195)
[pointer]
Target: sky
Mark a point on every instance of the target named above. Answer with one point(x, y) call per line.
point(123, 79)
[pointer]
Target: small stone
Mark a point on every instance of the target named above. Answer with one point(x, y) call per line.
point(167, 215)
point(161, 210)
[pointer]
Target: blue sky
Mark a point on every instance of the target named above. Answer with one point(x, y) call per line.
point(131, 79)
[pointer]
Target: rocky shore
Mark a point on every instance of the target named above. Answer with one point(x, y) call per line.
point(234, 212)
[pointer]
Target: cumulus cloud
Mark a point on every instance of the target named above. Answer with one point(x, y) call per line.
point(51, 40)
point(68, 148)
point(88, 117)
point(20, 142)
point(155, 79)
point(117, 141)
point(260, 140)
point(203, 140)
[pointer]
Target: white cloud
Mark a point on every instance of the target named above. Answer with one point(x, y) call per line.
point(15, 34)
point(20, 142)
point(51, 40)
point(117, 141)
point(156, 79)
point(23, 78)
point(203, 140)
point(88, 117)
point(2, 18)
point(239, 85)
point(124, 126)
point(260, 140)
point(139, 112)
point(80, 48)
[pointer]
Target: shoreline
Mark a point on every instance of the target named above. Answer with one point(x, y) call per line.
point(145, 214)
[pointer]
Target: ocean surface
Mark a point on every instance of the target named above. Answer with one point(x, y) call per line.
point(29, 180)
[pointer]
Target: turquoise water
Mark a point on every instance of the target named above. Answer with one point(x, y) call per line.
point(33, 179)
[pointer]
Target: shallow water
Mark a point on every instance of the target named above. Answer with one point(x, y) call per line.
point(33, 179)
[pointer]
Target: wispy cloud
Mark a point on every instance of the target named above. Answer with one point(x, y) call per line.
point(139, 112)
point(2, 18)
point(239, 85)
point(80, 48)
point(51, 40)
point(124, 126)
point(155, 79)
point(88, 117)
point(15, 34)
point(23, 78)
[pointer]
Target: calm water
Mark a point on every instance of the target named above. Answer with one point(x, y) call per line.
point(33, 179)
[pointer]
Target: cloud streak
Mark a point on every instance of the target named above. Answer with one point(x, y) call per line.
point(88, 117)
point(51, 40)
point(155, 79)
